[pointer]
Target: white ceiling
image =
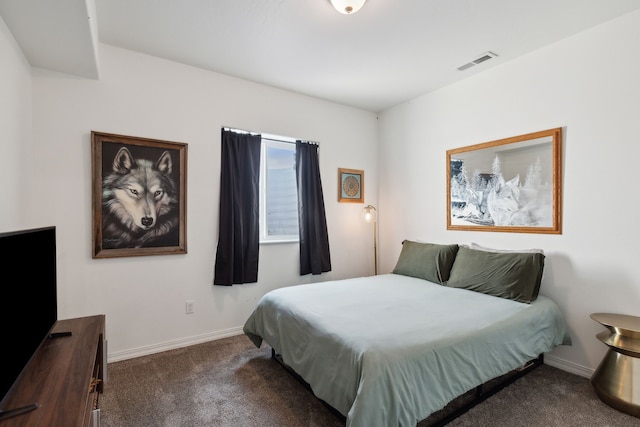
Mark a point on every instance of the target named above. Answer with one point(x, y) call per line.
point(389, 52)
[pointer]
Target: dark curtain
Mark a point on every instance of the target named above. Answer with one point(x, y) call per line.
point(239, 236)
point(314, 239)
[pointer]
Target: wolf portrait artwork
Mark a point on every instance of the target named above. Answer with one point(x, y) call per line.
point(139, 202)
point(140, 197)
point(512, 185)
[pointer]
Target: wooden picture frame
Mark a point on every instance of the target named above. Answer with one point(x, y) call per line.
point(350, 185)
point(139, 194)
point(510, 185)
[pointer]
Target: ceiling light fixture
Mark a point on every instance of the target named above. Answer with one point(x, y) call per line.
point(347, 6)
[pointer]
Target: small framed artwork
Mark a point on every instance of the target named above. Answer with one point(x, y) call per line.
point(510, 185)
point(139, 193)
point(350, 185)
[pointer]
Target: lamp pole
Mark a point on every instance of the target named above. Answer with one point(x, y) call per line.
point(375, 247)
point(369, 214)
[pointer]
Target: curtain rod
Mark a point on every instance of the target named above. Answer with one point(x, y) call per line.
point(271, 137)
point(279, 140)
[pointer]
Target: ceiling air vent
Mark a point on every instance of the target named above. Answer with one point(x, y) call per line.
point(484, 57)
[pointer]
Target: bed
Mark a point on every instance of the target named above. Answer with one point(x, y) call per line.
point(394, 348)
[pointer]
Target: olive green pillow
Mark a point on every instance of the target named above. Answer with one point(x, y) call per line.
point(511, 275)
point(427, 261)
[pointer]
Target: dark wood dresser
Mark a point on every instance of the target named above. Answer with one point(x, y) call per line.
point(65, 378)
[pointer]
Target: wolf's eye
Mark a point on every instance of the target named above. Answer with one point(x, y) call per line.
point(133, 191)
point(158, 194)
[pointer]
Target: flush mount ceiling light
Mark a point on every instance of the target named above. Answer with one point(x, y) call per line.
point(347, 6)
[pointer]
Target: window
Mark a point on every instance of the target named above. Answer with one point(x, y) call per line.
point(278, 191)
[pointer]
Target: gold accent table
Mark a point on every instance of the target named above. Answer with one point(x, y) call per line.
point(617, 379)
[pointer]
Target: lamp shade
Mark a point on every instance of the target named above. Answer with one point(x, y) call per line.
point(347, 6)
point(369, 213)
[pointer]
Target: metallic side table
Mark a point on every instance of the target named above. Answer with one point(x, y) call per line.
point(617, 379)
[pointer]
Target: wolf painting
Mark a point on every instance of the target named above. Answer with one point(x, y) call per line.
point(140, 203)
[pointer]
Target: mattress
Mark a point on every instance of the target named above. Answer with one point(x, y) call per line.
point(391, 349)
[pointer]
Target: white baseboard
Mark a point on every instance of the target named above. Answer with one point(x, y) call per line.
point(171, 345)
point(567, 366)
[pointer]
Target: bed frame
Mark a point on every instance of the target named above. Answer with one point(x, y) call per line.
point(456, 407)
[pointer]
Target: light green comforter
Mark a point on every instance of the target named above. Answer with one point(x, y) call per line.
point(389, 350)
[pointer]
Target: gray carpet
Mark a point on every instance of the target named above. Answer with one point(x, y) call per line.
point(229, 382)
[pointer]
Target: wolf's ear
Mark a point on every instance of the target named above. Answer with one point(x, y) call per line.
point(164, 163)
point(123, 161)
point(515, 181)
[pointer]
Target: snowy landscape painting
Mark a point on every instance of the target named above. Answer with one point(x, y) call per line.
point(506, 185)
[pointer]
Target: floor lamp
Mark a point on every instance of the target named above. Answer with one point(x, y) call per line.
point(369, 215)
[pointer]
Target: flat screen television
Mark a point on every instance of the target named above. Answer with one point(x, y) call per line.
point(28, 302)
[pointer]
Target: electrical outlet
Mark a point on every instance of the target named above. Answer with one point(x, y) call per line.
point(189, 307)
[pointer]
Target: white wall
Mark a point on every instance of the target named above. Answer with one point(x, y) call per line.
point(587, 84)
point(138, 95)
point(15, 131)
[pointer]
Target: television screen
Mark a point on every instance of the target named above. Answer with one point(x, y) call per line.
point(28, 302)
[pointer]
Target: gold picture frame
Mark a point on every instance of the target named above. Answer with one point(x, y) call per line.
point(510, 185)
point(139, 194)
point(350, 185)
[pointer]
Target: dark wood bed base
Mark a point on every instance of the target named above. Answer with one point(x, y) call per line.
point(456, 407)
